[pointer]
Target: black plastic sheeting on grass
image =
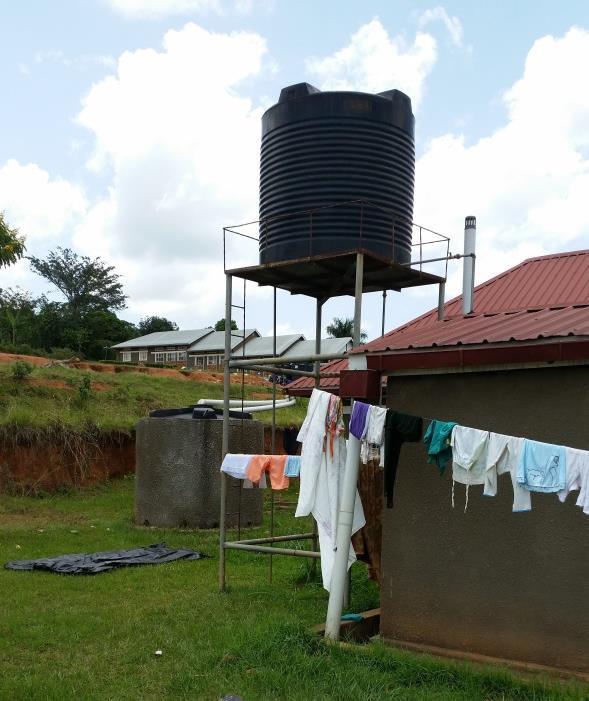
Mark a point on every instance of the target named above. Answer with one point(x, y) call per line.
point(95, 563)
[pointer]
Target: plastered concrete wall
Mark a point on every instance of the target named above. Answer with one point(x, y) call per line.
point(489, 581)
point(177, 473)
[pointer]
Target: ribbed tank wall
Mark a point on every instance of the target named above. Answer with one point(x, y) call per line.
point(323, 149)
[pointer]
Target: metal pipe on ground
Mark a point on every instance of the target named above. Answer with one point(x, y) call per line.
point(272, 551)
point(278, 538)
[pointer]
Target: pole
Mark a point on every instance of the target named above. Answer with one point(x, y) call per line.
point(358, 297)
point(317, 368)
point(441, 300)
point(344, 534)
point(470, 238)
point(225, 435)
point(347, 575)
point(384, 306)
point(273, 446)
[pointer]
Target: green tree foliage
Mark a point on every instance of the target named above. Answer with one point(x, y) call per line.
point(87, 284)
point(17, 316)
point(12, 245)
point(152, 324)
point(85, 321)
point(220, 325)
point(341, 328)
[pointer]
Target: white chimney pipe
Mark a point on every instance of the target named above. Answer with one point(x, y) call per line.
point(470, 240)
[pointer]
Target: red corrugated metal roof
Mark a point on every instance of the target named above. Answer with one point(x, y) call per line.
point(540, 299)
point(304, 385)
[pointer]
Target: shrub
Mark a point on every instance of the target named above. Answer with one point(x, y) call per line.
point(85, 389)
point(21, 369)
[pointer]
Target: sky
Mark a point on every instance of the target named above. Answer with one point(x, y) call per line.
point(130, 130)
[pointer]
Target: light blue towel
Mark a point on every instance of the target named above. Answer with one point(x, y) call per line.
point(293, 466)
point(542, 467)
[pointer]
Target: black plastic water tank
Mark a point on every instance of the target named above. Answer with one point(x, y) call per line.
point(327, 148)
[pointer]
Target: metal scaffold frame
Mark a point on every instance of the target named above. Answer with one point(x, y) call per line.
point(350, 272)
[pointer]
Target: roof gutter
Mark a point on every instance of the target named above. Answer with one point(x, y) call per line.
point(464, 356)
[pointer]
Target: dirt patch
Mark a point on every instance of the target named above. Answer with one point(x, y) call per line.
point(96, 367)
point(13, 357)
point(47, 465)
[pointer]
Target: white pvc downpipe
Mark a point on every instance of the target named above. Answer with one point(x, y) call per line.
point(282, 404)
point(236, 402)
point(470, 240)
point(339, 574)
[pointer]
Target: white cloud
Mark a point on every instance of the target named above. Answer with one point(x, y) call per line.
point(181, 142)
point(527, 183)
point(374, 61)
point(41, 207)
point(452, 24)
point(156, 9)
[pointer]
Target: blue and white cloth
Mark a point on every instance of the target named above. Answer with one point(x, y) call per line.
point(542, 467)
point(293, 466)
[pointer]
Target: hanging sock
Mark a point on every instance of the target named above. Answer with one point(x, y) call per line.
point(399, 428)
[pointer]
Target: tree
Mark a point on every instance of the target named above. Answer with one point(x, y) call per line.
point(87, 284)
point(340, 328)
point(17, 315)
point(151, 324)
point(220, 325)
point(12, 246)
point(104, 329)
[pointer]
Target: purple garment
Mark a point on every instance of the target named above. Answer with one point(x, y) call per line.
point(358, 419)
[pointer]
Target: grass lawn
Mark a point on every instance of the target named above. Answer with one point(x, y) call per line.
point(95, 637)
point(51, 396)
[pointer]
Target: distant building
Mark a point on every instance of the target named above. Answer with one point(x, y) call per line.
point(204, 349)
point(165, 347)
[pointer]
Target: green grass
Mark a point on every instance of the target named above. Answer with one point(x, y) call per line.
point(123, 398)
point(95, 637)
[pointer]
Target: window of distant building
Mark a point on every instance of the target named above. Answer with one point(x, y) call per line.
point(127, 357)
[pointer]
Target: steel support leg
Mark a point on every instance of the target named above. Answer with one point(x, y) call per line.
point(225, 435)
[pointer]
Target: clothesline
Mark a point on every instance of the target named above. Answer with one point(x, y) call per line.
point(479, 456)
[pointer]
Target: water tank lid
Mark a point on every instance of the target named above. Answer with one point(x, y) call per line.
point(304, 102)
point(293, 92)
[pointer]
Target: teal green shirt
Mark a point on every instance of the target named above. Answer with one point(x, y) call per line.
point(437, 442)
